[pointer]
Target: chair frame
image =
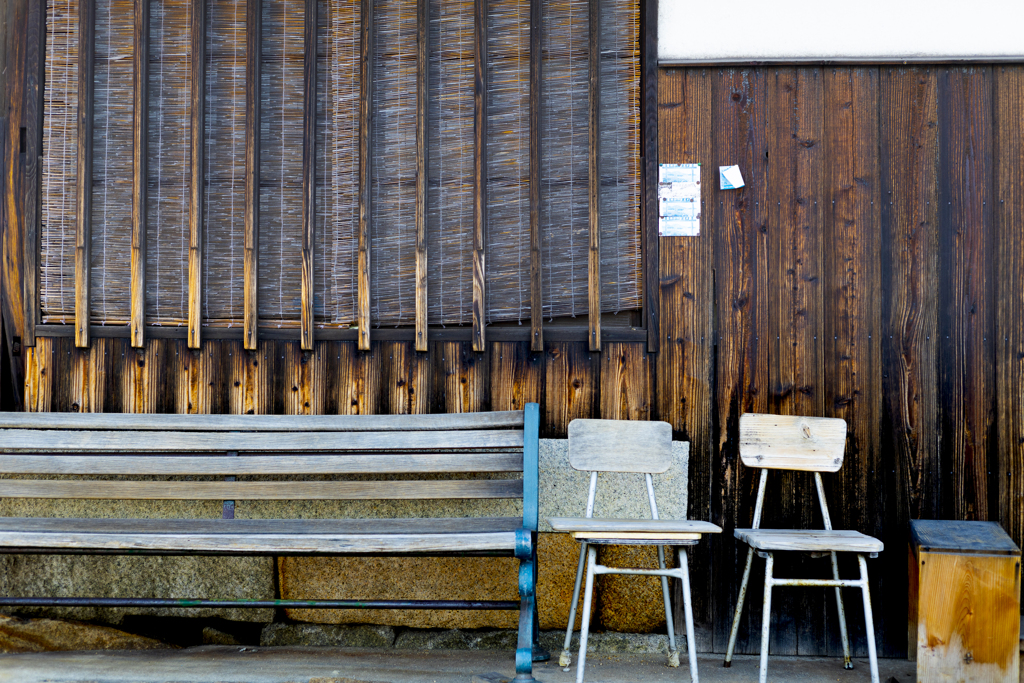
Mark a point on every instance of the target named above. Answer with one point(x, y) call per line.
point(771, 580)
point(681, 572)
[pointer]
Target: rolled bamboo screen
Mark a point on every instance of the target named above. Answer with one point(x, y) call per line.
point(564, 169)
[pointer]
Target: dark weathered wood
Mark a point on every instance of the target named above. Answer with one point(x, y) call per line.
point(30, 255)
point(397, 463)
point(308, 176)
point(966, 291)
point(479, 173)
point(406, 379)
point(1009, 216)
point(684, 367)
point(594, 174)
point(422, 120)
point(570, 386)
point(250, 258)
point(852, 281)
point(908, 149)
point(140, 174)
point(262, 490)
point(536, 133)
point(13, 233)
point(649, 171)
point(83, 169)
point(197, 177)
point(366, 50)
point(462, 378)
point(516, 375)
point(625, 382)
point(742, 294)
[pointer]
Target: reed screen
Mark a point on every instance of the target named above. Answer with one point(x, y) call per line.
point(450, 190)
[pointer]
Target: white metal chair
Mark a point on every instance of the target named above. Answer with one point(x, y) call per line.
point(808, 444)
point(643, 448)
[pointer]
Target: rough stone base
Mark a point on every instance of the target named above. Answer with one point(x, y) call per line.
point(48, 635)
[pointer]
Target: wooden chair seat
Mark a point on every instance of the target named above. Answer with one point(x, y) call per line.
point(810, 540)
point(653, 531)
point(260, 536)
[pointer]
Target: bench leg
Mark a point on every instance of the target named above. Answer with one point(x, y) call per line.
point(847, 662)
point(527, 620)
point(539, 653)
point(565, 659)
point(739, 609)
point(691, 645)
point(766, 617)
point(673, 651)
point(869, 621)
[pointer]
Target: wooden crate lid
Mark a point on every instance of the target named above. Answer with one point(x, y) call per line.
point(934, 535)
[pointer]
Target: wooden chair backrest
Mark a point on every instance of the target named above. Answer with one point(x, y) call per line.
point(620, 446)
point(792, 442)
point(212, 447)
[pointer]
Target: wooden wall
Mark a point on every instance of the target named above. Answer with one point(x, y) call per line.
point(279, 378)
point(872, 269)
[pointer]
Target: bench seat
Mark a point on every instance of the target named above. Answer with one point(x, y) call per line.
point(260, 536)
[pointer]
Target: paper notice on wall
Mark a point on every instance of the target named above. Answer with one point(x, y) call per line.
point(678, 199)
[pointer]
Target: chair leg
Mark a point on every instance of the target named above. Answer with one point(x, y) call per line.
point(581, 660)
point(691, 645)
point(869, 623)
point(766, 617)
point(739, 608)
point(565, 659)
point(673, 651)
point(847, 661)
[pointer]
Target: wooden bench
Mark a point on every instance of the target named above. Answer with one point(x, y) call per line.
point(231, 457)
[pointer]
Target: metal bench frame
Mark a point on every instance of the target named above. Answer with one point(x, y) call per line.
point(68, 444)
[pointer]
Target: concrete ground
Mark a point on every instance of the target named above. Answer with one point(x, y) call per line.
point(234, 664)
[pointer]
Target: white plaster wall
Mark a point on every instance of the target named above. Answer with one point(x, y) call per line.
point(863, 30)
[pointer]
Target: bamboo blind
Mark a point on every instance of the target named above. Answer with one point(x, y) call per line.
point(564, 168)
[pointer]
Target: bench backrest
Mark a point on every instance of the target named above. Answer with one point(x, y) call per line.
point(203, 445)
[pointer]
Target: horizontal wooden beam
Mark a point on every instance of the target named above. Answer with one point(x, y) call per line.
point(515, 333)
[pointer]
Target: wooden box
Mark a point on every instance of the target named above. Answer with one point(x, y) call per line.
point(964, 621)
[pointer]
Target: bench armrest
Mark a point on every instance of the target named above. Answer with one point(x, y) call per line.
point(531, 465)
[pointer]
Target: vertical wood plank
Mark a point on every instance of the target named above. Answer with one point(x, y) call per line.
point(966, 291)
point(908, 148)
point(38, 375)
point(366, 49)
point(594, 174)
point(13, 184)
point(462, 378)
point(742, 295)
point(250, 263)
point(536, 94)
point(571, 385)
point(853, 370)
point(625, 382)
point(1009, 216)
point(406, 381)
point(685, 357)
point(479, 174)
point(83, 226)
point(32, 122)
point(30, 257)
point(308, 176)
point(140, 179)
point(197, 140)
point(516, 375)
point(303, 380)
point(359, 379)
point(422, 108)
point(795, 181)
point(649, 172)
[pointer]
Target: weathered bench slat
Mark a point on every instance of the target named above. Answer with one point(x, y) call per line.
point(398, 463)
point(234, 527)
point(261, 490)
point(263, 423)
point(264, 543)
point(25, 440)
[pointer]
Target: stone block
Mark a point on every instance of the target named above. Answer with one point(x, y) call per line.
point(124, 576)
point(47, 635)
